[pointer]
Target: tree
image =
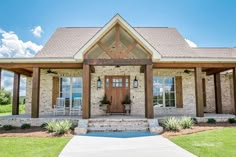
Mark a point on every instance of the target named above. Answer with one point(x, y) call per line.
point(5, 97)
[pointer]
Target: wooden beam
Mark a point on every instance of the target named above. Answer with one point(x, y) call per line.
point(21, 71)
point(118, 41)
point(0, 78)
point(106, 49)
point(193, 65)
point(128, 50)
point(35, 93)
point(16, 93)
point(199, 92)
point(149, 113)
point(42, 65)
point(86, 92)
point(215, 70)
point(234, 84)
point(114, 62)
point(218, 100)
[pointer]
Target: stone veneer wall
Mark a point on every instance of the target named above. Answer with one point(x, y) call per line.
point(45, 102)
point(137, 95)
point(226, 94)
point(189, 100)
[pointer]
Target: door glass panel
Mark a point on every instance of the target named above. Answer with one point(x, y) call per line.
point(117, 82)
point(107, 82)
point(126, 82)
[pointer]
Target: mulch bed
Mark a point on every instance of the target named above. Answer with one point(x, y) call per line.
point(197, 128)
point(42, 133)
point(31, 132)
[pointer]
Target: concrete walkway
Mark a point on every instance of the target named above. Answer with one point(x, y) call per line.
point(150, 146)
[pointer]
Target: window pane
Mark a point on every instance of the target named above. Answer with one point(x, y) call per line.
point(157, 81)
point(160, 103)
point(169, 80)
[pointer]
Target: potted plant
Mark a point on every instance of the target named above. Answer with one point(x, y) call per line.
point(104, 103)
point(127, 104)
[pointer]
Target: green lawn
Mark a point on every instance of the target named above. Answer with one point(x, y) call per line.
point(31, 147)
point(6, 109)
point(214, 143)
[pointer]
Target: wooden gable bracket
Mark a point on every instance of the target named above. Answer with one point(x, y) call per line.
point(118, 52)
point(128, 50)
point(106, 49)
point(142, 69)
point(92, 69)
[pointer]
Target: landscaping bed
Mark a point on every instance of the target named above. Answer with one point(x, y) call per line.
point(31, 132)
point(198, 128)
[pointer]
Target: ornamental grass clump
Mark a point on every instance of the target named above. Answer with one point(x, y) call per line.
point(59, 127)
point(186, 123)
point(172, 124)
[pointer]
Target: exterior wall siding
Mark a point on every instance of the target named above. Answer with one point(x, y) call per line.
point(189, 100)
point(136, 94)
point(45, 102)
point(226, 94)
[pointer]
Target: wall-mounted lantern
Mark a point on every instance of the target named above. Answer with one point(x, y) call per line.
point(99, 83)
point(135, 83)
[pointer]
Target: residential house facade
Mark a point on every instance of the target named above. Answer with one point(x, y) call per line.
point(153, 66)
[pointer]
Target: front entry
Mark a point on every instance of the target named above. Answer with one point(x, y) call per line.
point(116, 89)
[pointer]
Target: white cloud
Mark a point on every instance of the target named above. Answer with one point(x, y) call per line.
point(37, 31)
point(12, 46)
point(191, 43)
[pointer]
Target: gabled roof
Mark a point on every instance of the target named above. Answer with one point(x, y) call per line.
point(163, 43)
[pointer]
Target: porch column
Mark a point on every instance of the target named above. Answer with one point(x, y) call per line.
point(199, 92)
point(234, 84)
point(35, 93)
point(149, 92)
point(86, 91)
point(0, 78)
point(16, 90)
point(218, 100)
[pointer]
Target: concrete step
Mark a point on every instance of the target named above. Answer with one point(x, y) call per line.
point(110, 125)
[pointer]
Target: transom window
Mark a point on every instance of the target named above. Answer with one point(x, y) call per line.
point(70, 88)
point(164, 92)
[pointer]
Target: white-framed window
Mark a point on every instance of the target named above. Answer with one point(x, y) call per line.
point(70, 88)
point(164, 92)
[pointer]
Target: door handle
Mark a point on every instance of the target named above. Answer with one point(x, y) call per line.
point(111, 99)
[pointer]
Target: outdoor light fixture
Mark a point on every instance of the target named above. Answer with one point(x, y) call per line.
point(135, 82)
point(99, 83)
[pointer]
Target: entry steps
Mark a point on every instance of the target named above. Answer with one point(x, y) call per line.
point(118, 125)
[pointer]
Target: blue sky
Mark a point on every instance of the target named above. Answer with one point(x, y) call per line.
point(208, 23)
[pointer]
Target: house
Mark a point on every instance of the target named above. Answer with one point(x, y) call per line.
point(154, 66)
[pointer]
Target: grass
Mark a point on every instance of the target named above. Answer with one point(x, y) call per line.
point(6, 109)
point(28, 147)
point(214, 143)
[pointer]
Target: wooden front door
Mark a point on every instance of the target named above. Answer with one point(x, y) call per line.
point(116, 89)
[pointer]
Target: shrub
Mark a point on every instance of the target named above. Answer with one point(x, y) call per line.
point(5, 97)
point(25, 126)
point(232, 120)
point(171, 124)
point(7, 127)
point(186, 123)
point(59, 127)
point(211, 121)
